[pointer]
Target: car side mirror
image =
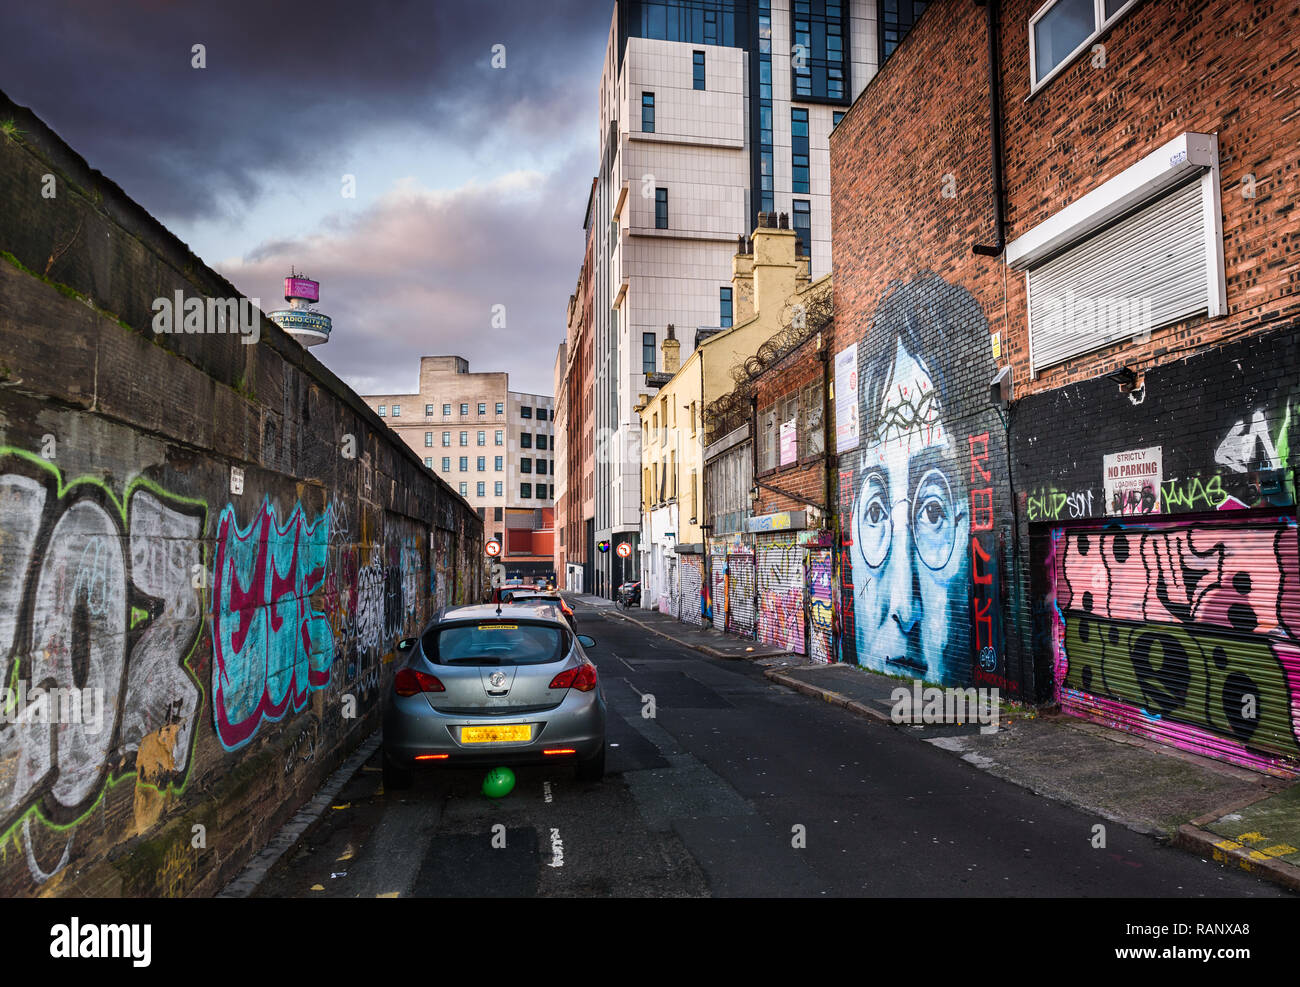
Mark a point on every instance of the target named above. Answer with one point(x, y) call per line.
point(586, 641)
point(406, 644)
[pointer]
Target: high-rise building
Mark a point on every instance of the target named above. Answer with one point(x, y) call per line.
point(710, 112)
point(493, 445)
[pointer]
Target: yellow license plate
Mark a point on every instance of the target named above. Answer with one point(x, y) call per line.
point(502, 733)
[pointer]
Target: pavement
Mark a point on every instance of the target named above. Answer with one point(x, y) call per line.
point(1214, 809)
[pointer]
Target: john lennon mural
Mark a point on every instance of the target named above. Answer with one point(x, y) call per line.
point(918, 552)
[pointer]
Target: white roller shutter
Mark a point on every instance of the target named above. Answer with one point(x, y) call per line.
point(1145, 271)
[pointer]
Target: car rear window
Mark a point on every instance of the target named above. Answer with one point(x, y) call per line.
point(493, 642)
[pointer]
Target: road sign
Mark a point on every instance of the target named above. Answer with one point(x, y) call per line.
point(498, 576)
point(624, 549)
point(493, 549)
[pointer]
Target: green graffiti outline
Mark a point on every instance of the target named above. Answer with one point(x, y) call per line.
point(111, 782)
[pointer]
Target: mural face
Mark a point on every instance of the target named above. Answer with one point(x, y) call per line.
point(918, 516)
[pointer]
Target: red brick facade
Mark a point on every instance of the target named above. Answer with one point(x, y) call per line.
point(803, 483)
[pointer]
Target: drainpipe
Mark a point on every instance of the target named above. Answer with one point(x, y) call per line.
point(995, 131)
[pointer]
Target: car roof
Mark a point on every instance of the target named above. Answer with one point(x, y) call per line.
point(490, 611)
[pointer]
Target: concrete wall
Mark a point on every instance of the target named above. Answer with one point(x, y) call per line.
point(230, 647)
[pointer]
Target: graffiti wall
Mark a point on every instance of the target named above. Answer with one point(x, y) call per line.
point(780, 571)
point(923, 497)
point(208, 553)
point(821, 606)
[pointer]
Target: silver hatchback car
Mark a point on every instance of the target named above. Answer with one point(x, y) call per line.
point(495, 686)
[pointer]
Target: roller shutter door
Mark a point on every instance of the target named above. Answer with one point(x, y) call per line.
point(718, 573)
point(1145, 271)
point(692, 589)
point(781, 592)
point(820, 613)
point(1185, 632)
point(740, 594)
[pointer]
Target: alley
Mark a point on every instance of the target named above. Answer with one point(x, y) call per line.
point(713, 795)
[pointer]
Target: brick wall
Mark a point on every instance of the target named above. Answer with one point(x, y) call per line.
point(802, 483)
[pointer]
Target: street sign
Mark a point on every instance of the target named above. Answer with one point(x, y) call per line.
point(624, 549)
point(493, 549)
point(498, 576)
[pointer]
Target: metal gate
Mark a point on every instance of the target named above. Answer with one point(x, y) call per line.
point(1186, 632)
point(670, 601)
point(718, 574)
point(740, 594)
point(821, 646)
point(781, 592)
point(692, 590)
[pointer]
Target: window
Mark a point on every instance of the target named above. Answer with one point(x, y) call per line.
point(810, 421)
point(428, 411)
point(482, 438)
point(1063, 28)
point(464, 438)
point(803, 225)
point(799, 150)
point(541, 491)
point(464, 464)
point(464, 489)
point(525, 466)
point(541, 466)
point(541, 414)
point(383, 411)
point(541, 440)
point(836, 117)
point(397, 411)
point(446, 464)
point(428, 461)
point(501, 408)
point(498, 463)
point(446, 411)
point(525, 491)
point(500, 437)
point(482, 516)
point(698, 59)
point(648, 352)
point(767, 439)
point(896, 19)
point(481, 463)
point(482, 407)
point(525, 440)
point(647, 113)
point(428, 438)
point(724, 307)
point(464, 409)
point(661, 209)
point(446, 438)
point(526, 412)
point(481, 491)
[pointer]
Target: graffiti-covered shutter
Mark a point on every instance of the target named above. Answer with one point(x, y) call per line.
point(780, 591)
point(692, 589)
point(1187, 633)
point(820, 633)
point(740, 594)
point(718, 574)
point(673, 586)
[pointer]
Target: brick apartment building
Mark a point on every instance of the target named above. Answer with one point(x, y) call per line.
point(1071, 477)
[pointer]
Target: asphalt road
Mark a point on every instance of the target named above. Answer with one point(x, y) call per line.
point(735, 786)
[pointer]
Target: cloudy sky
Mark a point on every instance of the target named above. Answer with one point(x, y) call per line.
point(470, 180)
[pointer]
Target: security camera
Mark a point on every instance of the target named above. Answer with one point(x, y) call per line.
point(1001, 387)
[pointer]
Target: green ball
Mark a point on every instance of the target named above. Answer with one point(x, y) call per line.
point(498, 783)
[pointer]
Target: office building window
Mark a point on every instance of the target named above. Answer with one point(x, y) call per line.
point(446, 464)
point(501, 408)
point(397, 411)
point(498, 490)
point(525, 491)
point(836, 117)
point(526, 412)
point(896, 18)
point(648, 113)
point(541, 440)
point(464, 409)
point(446, 411)
point(446, 438)
point(428, 411)
point(698, 58)
point(428, 461)
point(525, 440)
point(383, 411)
point(464, 438)
point(481, 462)
point(661, 209)
point(482, 438)
point(525, 465)
point(541, 466)
point(799, 150)
point(803, 225)
point(482, 492)
point(482, 407)
point(498, 463)
point(464, 464)
point(541, 414)
point(500, 438)
point(724, 307)
point(428, 438)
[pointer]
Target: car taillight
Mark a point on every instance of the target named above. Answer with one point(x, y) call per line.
point(408, 682)
point(568, 610)
point(582, 678)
